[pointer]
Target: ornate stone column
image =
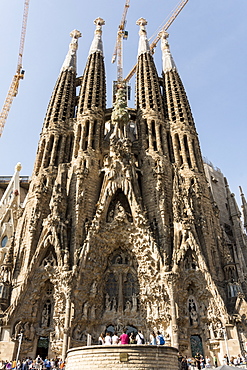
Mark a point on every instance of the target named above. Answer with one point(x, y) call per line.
point(66, 322)
point(171, 281)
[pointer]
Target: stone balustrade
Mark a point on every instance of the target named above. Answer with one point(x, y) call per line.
point(133, 356)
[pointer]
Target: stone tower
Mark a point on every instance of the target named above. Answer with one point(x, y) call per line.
point(119, 227)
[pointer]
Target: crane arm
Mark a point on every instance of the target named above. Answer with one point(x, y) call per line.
point(117, 53)
point(168, 23)
point(13, 90)
point(153, 45)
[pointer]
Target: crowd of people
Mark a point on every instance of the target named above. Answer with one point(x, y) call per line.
point(199, 362)
point(37, 364)
point(130, 338)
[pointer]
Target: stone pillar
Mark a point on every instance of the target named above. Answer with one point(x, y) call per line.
point(66, 323)
point(171, 280)
point(120, 294)
point(54, 150)
point(192, 154)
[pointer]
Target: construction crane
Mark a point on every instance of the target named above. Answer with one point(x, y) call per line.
point(13, 90)
point(153, 45)
point(118, 50)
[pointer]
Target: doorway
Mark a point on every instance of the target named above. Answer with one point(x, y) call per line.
point(42, 347)
point(196, 345)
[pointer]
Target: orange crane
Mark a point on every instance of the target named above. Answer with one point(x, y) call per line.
point(153, 45)
point(118, 50)
point(13, 90)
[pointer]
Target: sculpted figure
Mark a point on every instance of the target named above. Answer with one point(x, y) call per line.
point(85, 310)
point(32, 332)
point(93, 290)
point(45, 316)
point(26, 330)
point(77, 332)
point(114, 304)
point(107, 302)
point(134, 302)
point(128, 306)
point(18, 328)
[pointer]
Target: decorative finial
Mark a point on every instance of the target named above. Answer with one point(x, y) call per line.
point(75, 34)
point(99, 22)
point(142, 22)
point(97, 45)
point(168, 62)
point(143, 42)
point(18, 167)
point(70, 60)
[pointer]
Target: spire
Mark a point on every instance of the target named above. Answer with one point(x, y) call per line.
point(70, 60)
point(148, 93)
point(143, 41)
point(244, 207)
point(62, 103)
point(233, 206)
point(97, 45)
point(184, 139)
point(92, 93)
point(168, 62)
point(56, 139)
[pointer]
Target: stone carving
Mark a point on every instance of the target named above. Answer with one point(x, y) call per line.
point(18, 328)
point(77, 332)
point(120, 115)
point(193, 314)
point(45, 315)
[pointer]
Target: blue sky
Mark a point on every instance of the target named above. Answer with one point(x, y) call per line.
point(208, 43)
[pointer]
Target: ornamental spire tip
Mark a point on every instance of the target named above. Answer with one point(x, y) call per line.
point(97, 45)
point(143, 41)
point(70, 60)
point(168, 62)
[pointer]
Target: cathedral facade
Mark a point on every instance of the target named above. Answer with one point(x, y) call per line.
point(121, 224)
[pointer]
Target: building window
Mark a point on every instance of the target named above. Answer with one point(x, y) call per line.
point(4, 241)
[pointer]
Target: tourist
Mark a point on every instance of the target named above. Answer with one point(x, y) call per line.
point(193, 363)
point(101, 339)
point(239, 360)
point(202, 362)
point(208, 362)
point(115, 339)
point(160, 339)
point(124, 338)
point(132, 338)
point(39, 362)
point(215, 361)
point(225, 360)
point(184, 364)
point(198, 360)
point(140, 338)
point(180, 357)
point(8, 365)
point(108, 340)
point(61, 364)
point(47, 363)
point(153, 339)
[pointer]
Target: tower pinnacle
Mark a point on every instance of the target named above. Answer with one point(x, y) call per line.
point(244, 207)
point(70, 60)
point(97, 45)
point(168, 62)
point(143, 42)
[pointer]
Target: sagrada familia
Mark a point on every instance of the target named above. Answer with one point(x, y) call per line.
point(122, 224)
